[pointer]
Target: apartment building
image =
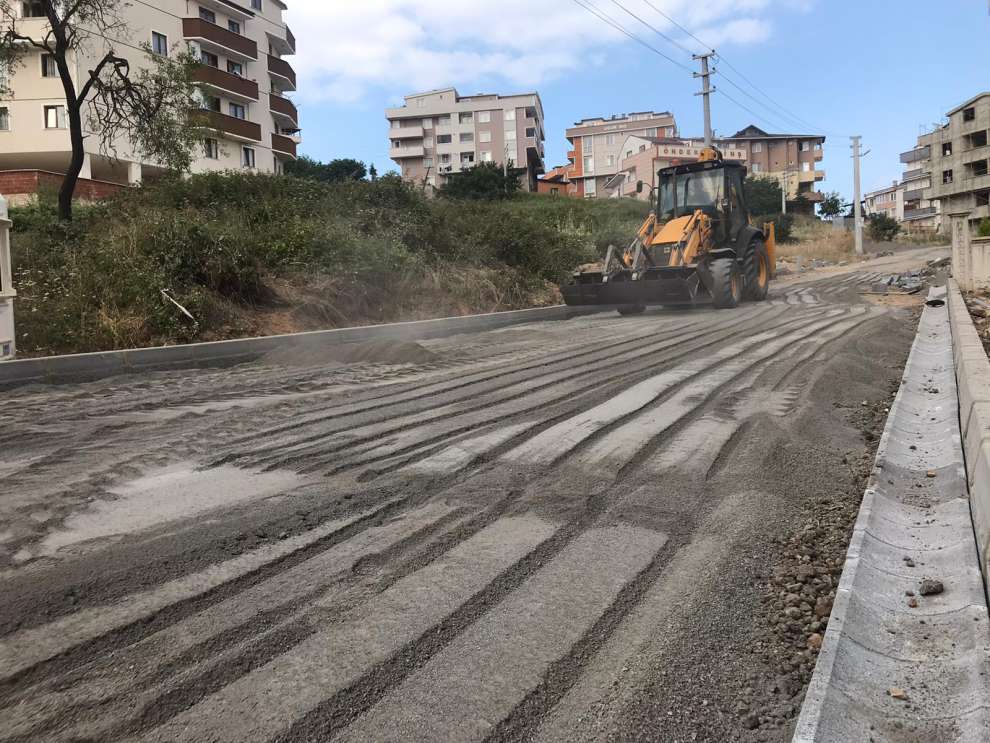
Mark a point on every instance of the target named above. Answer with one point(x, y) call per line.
point(959, 162)
point(440, 132)
point(791, 159)
point(888, 201)
point(921, 212)
point(595, 156)
point(244, 81)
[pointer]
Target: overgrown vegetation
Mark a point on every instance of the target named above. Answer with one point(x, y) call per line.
point(227, 247)
point(983, 229)
point(485, 181)
point(882, 228)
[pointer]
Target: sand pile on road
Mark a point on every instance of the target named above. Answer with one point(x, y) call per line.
point(384, 351)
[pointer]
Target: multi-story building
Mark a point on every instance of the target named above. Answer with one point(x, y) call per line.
point(643, 157)
point(440, 132)
point(243, 83)
point(595, 156)
point(921, 212)
point(960, 161)
point(888, 201)
point(791, 159)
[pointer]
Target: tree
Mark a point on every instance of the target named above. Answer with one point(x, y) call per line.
point(373, 172)
point(151, 108)
point(831, 205)
point(882, 227)
point(762, 195)
point(983, 229)
point(485, 181)
point(335, 171)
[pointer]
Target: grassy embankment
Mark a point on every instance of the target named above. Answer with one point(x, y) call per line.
point(254, 255)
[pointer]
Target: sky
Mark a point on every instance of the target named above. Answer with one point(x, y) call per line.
point(884, 69)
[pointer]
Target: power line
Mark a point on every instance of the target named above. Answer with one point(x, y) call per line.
point(598, 13)
point(653, 28)
point(747, 108)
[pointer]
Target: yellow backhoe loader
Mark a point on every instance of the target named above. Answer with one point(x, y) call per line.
point(696, 246)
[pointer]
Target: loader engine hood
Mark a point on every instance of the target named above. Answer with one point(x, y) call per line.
point(672, 231)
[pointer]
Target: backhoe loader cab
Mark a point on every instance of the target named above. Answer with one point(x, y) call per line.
point(697, 245)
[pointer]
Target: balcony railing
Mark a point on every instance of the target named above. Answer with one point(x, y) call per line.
point(913, 175)
point(283, 106)
point(398, 153)
point(282, 69)
point(406, 132)
point(231, 125)
point(216, 78)
point(197, 28)
point(290, 37)
point(918, 153)
point(914, 194)
point(284, 145)
point(927, 211)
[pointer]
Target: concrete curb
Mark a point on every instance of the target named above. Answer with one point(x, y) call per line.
point(914, 523)
point(92, 366)
point(973, 380)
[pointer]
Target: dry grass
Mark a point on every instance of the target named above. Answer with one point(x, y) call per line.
point(830, 246)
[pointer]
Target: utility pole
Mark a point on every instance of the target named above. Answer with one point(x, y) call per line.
point(783, 192)
point(857, 206)
point(706, 92)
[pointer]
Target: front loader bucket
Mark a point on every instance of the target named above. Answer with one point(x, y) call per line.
point(655, 286)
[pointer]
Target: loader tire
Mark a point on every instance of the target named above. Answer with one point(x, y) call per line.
point(756, 271)
point(632, 309)
point(727, 283)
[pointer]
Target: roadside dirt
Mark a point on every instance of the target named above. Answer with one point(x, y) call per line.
point(556, 532)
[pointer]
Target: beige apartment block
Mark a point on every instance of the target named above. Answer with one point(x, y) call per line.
point(888, 201)
point(440, 132)
point(643, 157)
point(956, 159)
point(244, 82)
point(595, 156)
point(791, 159)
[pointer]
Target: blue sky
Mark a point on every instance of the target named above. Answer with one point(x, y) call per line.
point(879, 68)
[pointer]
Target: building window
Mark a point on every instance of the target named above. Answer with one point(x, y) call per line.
point(211, 103)
point(211, 149)
point(256, 4)
point(444, 139)
point(589, 164)
point(209, 58)
point(946, 176)
point(247, 157)
point(805, 146)
point(445, 158)
point(234, 27)
point(756, 167)
point(609, 139)
point(757, 147)
point(978, 139)
point(589, 187)
point(510, 135)
point(159, 44)
point(443, 120)
point(611, 161)
point(237, 110)
point(531, 132)
point(235, 68)
point(4, 119)
point(979, 168)
point(969, 114)
point(33, 9)
point(805, 167)
point(484, 117)
point(486, 157)
point(509, 114)
point(465, 118)
point(427, 162)
point(982, 198)
point(208, 15)
point(420, 103)
point(48, 66)
point(467, 158)
point(55, 117)
point(467, 137)
point(484, 136)
point(946, 149)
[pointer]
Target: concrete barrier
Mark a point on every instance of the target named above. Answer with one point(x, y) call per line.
point(897, 665)
point(973, 379)
point(91, 366)
point(970, 255)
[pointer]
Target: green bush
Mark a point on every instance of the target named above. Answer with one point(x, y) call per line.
point(881, 227)
point(983, 229)
point(217, 241)
point(783, 226)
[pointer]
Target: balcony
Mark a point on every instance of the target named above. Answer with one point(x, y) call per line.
point(398, 153)
point(283, 107)
point(228, 83)
point(914, 194)
point(810, 176)
point(283, 71)
point(232, 126)
point(283, 145)
point(406, 132)
point(911, 214)
point(213, 35)
point(918, 153)
point(572, 155)
point(283, 44)
point(913, 175)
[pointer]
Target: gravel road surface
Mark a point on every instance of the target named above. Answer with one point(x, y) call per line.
point(556, 532)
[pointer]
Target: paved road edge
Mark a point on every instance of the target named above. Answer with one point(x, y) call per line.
point(98, 365)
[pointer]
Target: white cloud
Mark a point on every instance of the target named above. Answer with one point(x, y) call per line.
point(349, 47)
